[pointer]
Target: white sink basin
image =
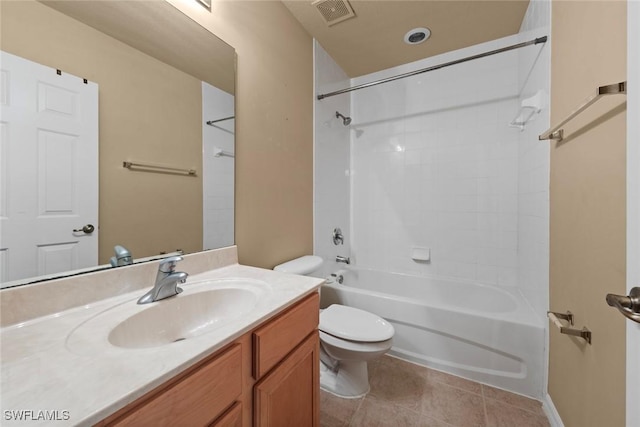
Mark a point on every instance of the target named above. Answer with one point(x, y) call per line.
point(181, 317)
point(202, 308)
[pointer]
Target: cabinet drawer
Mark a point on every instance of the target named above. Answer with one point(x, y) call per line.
point(272, 342)
point(194, 400)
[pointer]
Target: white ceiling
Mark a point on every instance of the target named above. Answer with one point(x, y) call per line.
point(162, 31)
point(373, 40)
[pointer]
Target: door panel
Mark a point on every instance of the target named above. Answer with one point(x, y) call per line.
point(633, 207)
point(57, 257)
point(57, 158)
point(4, 159)
point(48, 170)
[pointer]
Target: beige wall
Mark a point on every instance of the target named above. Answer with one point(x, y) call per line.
point(149, 213)
point(274, 127)
point(587, 253)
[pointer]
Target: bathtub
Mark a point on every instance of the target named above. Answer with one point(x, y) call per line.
point(483, 333)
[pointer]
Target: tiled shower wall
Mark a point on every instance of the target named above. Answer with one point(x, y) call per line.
point(217, 172)
point(435, 165)
point(331, 162)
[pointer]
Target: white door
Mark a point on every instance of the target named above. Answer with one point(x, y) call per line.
point(48, 170)
point(633, 206)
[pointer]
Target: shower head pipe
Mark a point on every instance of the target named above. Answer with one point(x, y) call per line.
point(345, 120)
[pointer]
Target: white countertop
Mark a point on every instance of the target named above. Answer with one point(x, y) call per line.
point(83, 379)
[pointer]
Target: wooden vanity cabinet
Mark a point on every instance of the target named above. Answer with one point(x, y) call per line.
point(267, 377)
point(288, 395)
point(286, 366)
point(195, 398)
point(231, 418)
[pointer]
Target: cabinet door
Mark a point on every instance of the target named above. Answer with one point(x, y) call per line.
point(289, 395)
point(231, 418)
point(276, 339)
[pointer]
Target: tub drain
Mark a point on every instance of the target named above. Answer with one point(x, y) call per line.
point(179, 339)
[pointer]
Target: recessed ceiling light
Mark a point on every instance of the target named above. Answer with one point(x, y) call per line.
point(417, 35)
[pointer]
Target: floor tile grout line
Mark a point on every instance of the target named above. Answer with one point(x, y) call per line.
point(423, 373)
point(447, 385)
point(356, 411)
point(537, 412)
point(445, 423)
point(484, 406)
point(460, 388)
point(426, 368)
point(482, 387)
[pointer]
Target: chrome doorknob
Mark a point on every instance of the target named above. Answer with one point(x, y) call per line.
point(629, 306)
point(87, 229)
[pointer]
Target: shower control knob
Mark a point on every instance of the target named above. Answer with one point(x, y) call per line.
point(338, 239)
point(87, 229)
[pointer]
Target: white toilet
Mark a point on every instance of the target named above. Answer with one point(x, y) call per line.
point(349, 337)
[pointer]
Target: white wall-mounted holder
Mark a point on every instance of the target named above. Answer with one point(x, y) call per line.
point(219, 152)
point(529, 107)
point(420, 254)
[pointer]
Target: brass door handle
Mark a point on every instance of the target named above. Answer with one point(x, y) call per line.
point(629, 306)
point(87, 229)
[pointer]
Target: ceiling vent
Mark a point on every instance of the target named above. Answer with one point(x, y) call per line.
point(334, 11)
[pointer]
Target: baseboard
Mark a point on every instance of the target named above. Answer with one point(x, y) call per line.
point(552, 413)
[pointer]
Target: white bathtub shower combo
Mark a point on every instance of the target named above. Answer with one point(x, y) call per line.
point(440, 189)
point(483, 333)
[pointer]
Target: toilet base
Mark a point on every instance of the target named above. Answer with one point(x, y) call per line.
point(349, 381)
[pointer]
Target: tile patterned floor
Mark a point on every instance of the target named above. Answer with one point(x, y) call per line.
point(405, 394)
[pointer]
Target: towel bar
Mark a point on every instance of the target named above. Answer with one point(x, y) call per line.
point(555, 317)
point(146, 167)
point(556, 133)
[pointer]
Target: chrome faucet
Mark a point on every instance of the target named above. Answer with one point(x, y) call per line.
point(123, 257)
point(346, 260)
point(167, 281)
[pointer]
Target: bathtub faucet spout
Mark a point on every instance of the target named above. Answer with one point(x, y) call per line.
point(337, 278)
point(346, 260)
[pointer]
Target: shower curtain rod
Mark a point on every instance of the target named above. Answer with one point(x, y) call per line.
point(212, 122)
point(432, 68)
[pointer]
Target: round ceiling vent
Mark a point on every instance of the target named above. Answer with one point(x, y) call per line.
point(417, 35)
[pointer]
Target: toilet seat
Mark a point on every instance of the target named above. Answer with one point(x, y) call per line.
point(355, 346)
point(357, 326)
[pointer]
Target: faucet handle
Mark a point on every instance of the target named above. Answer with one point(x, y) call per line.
point(168, 265)
point(338, 239)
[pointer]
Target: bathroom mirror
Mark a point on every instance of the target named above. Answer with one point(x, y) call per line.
point(160, 78)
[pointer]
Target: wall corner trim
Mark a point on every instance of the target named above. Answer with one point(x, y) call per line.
point(551, 412)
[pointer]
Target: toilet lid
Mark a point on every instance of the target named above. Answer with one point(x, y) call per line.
point(303, 265)
point(353, 324)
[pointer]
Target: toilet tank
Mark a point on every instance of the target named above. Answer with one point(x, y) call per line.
point(304, 265)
